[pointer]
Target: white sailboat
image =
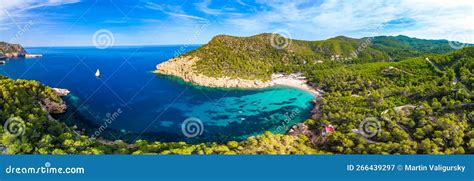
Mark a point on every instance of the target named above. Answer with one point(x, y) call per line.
point(97, 73)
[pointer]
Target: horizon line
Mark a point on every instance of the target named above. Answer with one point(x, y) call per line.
point(199, 44)
point(114, 46)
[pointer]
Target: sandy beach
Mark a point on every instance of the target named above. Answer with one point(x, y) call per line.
point(293, 80)
point(183, 67)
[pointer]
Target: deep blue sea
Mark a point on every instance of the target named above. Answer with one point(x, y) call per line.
point(130, 102)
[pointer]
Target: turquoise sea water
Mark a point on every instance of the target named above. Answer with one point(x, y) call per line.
point(129, 102)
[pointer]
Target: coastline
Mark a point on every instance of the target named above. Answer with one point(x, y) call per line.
point(295, 80)
point(182, 67)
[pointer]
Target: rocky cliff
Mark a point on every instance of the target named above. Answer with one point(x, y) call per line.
point(8, 50)
point(183, 67)
point(55, 107)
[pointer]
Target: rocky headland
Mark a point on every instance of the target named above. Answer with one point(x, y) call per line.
point(183, 67)
point(8, 50)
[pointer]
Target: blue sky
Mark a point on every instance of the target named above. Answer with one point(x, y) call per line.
point(156, 22)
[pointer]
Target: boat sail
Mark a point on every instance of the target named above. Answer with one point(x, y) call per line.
point(97, 73)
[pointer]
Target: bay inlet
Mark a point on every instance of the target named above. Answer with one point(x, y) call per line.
point(153, 107)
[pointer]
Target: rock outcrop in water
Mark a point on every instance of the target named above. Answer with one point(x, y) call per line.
point(61, 92)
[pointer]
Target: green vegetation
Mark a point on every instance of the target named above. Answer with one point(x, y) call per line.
point(264, 144)
point(40, 135)
point(419, 95)
point(21, 99)
point(255, 57)
point(422, 105)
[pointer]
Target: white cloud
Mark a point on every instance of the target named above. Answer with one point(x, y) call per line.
point(204, 7)
point(251, 25)
point(154, 6)
point(186, 16)
point(443, 19)
point(433, 19)
point(10, 9)
point(174, 11)
point(241, 3)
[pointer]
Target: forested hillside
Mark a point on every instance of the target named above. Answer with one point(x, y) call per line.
point(416, 105)
point(422, 105)
point(257, 57)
